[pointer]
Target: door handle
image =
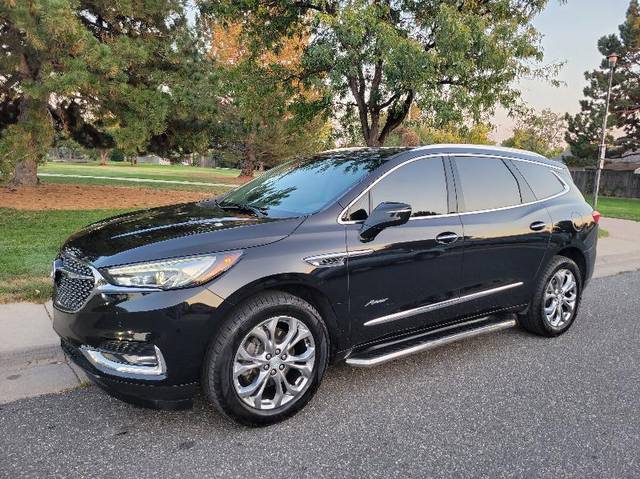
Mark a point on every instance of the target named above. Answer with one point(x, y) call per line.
point(446, 238)
point(537, 226)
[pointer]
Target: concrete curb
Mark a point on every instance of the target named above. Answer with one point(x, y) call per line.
point(31, 356)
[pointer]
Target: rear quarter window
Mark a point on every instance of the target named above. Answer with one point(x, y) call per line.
point(541, 179)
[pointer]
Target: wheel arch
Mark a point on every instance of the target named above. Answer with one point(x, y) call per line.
point(577, 256)
point(304, 287)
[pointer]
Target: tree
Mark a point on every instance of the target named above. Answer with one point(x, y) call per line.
point(584, 129)
point(102, 73)
point(266, 117)
point(542, 133)
point(454, 59)
point(425, 134)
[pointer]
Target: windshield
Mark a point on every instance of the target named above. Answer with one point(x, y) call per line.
point(304, 186)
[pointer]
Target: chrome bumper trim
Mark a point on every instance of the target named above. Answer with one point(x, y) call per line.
point(132, 371)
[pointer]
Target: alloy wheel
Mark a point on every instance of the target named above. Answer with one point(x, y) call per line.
point(560, 298)
point(274, 363)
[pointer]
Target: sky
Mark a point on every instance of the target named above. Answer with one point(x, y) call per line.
point(570, 34)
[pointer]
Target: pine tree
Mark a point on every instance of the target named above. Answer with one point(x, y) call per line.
point(584, 129)
point(103, 73)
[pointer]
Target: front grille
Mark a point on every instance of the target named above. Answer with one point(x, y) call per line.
point(76, 266)
point(74, 282)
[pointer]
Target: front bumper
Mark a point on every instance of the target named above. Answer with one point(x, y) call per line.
point(172, 397)
point(176, 324)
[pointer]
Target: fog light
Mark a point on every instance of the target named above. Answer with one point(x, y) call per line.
point(127, 365)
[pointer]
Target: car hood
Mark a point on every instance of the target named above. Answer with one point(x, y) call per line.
point(174, 231)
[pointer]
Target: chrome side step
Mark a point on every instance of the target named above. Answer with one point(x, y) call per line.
point(381, 354)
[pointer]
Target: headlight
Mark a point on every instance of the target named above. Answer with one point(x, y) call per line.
point(173, 273)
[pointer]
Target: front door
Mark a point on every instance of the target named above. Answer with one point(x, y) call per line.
point(403, 278)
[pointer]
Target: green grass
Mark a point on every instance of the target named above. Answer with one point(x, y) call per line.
point(214, 190)
point(144, 172)
point(124, 169)
point(602, 233)
point(625, 208)
point(29, 243)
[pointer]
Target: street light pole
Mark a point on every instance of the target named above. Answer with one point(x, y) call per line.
point(613, 59)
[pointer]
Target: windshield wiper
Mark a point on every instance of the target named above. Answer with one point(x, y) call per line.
point(255, 210)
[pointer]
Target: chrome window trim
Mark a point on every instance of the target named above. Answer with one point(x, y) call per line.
point(498, 157)
point(368, 188)
point(442, 304)
point(564, 192)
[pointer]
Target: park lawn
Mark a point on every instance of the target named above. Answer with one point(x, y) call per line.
point(29, 243)
point(125, 169)
point(624, 208)
point(106, 181)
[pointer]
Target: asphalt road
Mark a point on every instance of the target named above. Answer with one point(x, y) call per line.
point(506, 405)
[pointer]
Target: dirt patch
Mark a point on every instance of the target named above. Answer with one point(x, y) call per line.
point(92, 197)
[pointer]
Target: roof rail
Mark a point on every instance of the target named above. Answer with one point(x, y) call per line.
point(480, 147)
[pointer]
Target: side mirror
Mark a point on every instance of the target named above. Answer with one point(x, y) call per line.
point(383, 216)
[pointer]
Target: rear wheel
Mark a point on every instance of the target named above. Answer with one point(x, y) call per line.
point(268, 360)
point(556, 299)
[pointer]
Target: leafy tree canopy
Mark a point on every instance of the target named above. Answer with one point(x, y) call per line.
point(540, 132)
point(455, 59)
point(265, 117)
point(103, 73)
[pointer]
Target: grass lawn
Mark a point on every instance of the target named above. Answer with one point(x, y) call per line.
point(106, 181)
point(29, 243)
point(153, 172)
point(625, 208)
point(166, 172)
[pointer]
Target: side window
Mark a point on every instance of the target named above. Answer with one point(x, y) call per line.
point(359, 211)
point(540, 178)
point(487, 183)
point(421, 184)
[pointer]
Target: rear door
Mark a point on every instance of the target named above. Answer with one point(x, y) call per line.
point(396, 279)
point(506, 233)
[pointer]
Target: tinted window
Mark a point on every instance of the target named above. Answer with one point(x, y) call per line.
point(540, 178)
point(421, 184)
point(487, 183)
point(359, 210)
point(306, 185)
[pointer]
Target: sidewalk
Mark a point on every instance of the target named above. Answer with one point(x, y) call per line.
point(619, 252)
point(32, 363)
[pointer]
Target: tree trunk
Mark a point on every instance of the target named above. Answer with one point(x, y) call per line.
point(249, 162)
point(34, 139)
point(104, 154)
point(25, 173)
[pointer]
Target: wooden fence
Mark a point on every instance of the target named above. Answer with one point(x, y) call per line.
point(621, 184)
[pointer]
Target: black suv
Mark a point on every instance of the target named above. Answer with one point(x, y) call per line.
point(363, 255)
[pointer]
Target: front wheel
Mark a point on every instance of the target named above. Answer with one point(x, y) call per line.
point(556, 299)
point(268, 359)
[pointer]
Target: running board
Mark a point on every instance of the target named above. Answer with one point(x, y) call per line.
point(383, 353)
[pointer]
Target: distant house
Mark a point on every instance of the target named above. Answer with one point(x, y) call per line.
point(152, 160)
point(627, 162)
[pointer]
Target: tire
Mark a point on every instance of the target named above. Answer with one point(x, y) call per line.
point(543, 322)
point(299, 372)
